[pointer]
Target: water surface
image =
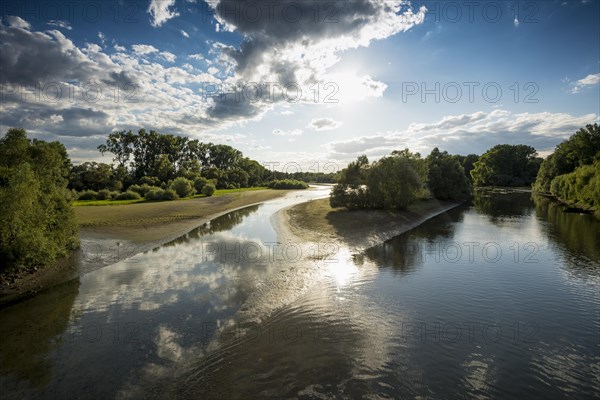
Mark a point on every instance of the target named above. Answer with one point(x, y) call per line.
point(498, 299)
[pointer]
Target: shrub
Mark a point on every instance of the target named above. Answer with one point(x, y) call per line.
point(104, 194)
point(208, 190)
point(287, 184)
point(169, 194)
point(141, 189)
point(155, 194)
point(128, 195)
point(199, 184)
point(88, 195)
point(183, 187)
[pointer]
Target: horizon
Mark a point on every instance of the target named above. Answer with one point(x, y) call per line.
point(373, 79)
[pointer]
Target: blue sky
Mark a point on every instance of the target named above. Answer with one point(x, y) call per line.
point(492, 71)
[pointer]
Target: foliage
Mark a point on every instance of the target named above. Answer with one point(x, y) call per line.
point(183, 187)
point(446, 177)
point(582, 148)
point(141, 189)
point(88, 195)
point(160, 194)
point(128, 195)
point(208, 189)
point(581, 186)
point(506, 165)
point(393, 182)
point(37, 222)
point(287, 184)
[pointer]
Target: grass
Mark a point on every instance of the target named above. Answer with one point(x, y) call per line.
point(220, 192)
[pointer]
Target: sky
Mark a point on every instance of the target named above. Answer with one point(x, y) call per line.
point(302, 84)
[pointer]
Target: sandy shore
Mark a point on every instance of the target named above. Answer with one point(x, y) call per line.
point(315, 221)
point(112, 233)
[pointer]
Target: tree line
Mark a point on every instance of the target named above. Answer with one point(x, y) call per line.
point(150, 162)
point(397, 180)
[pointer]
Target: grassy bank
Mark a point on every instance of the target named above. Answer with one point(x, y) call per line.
point(221, 192)
point(317, 221)
point(145, 222)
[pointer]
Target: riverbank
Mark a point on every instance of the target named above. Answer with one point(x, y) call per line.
point(317, 222)
point(112, 233)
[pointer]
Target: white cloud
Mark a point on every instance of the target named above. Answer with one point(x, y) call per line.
point(197, 56)
point(17, 22)
point(184, 33)
point(60, 24)
point(516, 21)
point(468, 133)
point(324, 124)
point(295, 132)
point(143, 49)
point(119, 48)
point(167, 56)
point(160, 12)
point(590, 80)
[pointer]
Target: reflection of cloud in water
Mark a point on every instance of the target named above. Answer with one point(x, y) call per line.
point(337, 322)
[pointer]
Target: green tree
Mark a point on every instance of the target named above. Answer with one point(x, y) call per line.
point(506, 165)
point(446, 177)
point(37, 222)
point(582, 148)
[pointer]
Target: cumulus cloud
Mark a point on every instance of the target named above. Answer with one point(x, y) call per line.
point(272, 52)
point(144, 49)
point(17, 22)
point(168, 56)
point(590, 80)
point(468, 133)
point(184, 33)
point(324, 124)
point(160, 12)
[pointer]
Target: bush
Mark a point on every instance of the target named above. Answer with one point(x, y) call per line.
point(141, 190)
point(208, 190)
point(183, 187)
point(128, 195)
point(287, 184)
point(169, 194)
point(104, 194)
point(88, 195)
point(199, 184)
point(155, 194)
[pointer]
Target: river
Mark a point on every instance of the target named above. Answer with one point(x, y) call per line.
point(496, 299)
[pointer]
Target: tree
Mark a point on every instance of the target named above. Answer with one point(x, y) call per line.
point(446, 177)
point(37, 222)
point(506, 165)
point(582, 148)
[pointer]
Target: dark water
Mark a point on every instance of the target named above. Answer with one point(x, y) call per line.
point(499, 299)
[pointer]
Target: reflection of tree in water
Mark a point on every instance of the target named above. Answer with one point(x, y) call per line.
point(31, 329)
point(580, 234)
point(219, 224)
point(499, 206)
point(407, 251)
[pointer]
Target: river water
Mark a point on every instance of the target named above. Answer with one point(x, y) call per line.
point(496, 299)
